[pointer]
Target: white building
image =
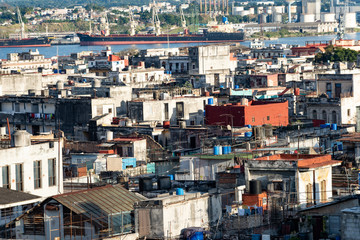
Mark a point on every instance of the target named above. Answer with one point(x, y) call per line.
point(33, 168)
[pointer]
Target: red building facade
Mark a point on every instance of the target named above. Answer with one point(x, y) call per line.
point(254, 113)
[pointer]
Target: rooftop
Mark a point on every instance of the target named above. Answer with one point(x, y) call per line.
point(8, 196)
point(304, 160)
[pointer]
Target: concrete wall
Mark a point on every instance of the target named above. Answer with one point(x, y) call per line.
point(20, 83)
point(166, 217)
point(350, 222)
point(26, 156)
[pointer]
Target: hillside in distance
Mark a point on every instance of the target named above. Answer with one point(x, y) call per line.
point(71, 3)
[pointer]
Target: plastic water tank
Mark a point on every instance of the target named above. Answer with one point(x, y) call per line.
point(224, 149)
point(248, 134)
point(333, 126)
point(21, 138)
point(109, 135)
point(179, 191)
point(59, 85)
point(145, 184)
point(216, 150)
point(210, 101)
point(237, 87)
point(255, 187)
point(164, 182)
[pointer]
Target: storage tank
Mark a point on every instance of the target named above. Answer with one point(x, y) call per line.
point(179, 191)
point(262, 18)
point(109, 135)
point(216, 150)
point(350, 20)
point(328, 17)
point(307, 18)
point(248, 134)
point(182, 124)
point(164, 182)
point(96, 83)
point(224, 150)
point(333, 126)
point(237, 10)
point(145, 184)
point(21, 138)
point(255, 187)
point(225, 20)
point(2, 131)
point(59, 85)
point(210, 101)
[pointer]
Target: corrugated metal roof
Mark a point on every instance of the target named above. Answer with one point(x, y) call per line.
point(100, 201)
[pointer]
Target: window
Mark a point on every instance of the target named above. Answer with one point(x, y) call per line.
point(52, 171)
point(348, 112)
point(268, 118)
point(130, 151)
point(7, 212)
point(324, 115)
point(110, 110)
point(35, 108)
point(6, 177)
point(180, 109)
point(323, 191)
point(37, 174)
point(334, 117)
point(309, 193)
point(314, 113)
point(17, 107)
point(19, 174)
point(166, 106)
point(253, 119)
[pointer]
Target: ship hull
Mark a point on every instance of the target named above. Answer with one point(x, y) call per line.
point(27, 42)
point(96, 40)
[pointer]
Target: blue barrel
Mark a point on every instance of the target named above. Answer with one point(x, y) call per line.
point(237, 87)
point(229, 149)
point(333, 126)
point(224, 150)
point(216, 150)
point(224, 19)
point(210, 101)
point(328, 125)
point(171, 177)
point(221, 86)
point(256, 237)
point(55, 71)
point(248, 134)
point(197, 236)
point(179, 191)
point(248, 126)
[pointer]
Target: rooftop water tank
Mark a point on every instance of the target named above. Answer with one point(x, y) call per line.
point(59, 85)
point(255, 187)
point(145, 184)
point(164, 182)
point(21, 138)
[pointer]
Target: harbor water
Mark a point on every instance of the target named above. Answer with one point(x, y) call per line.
point(65, 50)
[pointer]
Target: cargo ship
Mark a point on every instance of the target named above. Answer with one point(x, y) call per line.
point(26, 42)
point(210, 37)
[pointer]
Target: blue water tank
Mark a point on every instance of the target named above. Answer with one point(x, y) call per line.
point(256, 237)
point(229, 149)
point(237, 87)
point(216, 150)
point(248, 126)
point(248, 134)
point(171, 177)
point(210, 101)
point(221, 86)
point(328, 125)
point(179, 191)
point(197, 236)
point(333, 126)
point(225, 20)
point(224, 150)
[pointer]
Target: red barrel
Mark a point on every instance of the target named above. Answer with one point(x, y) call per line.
point(166, 124)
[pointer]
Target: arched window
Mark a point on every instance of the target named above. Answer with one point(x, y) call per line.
point(333, 117)
point(324, 116)
point(314, 114)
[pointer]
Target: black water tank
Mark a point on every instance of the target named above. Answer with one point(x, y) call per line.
point(164, 183)
point(255, 187)
point(145, 184)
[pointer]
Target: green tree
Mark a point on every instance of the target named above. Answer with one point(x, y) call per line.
point(336, 54)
